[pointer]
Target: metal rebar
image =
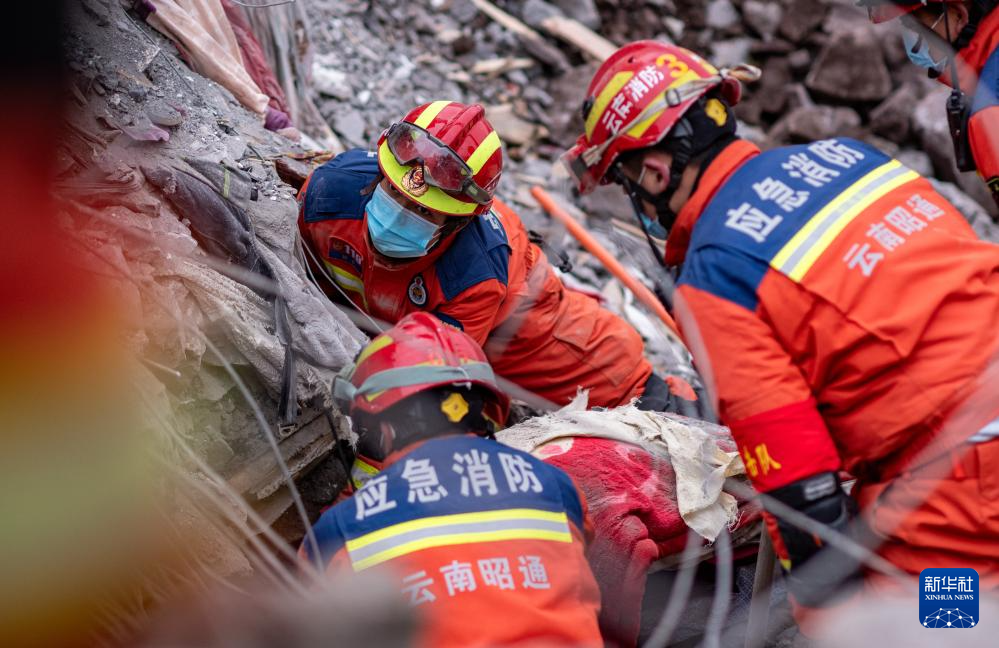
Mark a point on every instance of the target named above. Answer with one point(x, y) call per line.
point(679, 593)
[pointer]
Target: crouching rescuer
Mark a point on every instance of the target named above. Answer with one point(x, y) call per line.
point(415, 226)
point(485, 541)
point(843, 313)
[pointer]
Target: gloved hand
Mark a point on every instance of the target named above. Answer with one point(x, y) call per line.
point(674, 394)
point(817, 571)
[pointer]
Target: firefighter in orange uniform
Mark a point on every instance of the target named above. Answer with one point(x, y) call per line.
point(842, 312)
point(957, 41)
point(414, 227)
point(486, 542)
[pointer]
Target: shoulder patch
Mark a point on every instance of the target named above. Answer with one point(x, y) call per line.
point(480, 252)
point(987, 93)
point(417, 291)
point(335, 189)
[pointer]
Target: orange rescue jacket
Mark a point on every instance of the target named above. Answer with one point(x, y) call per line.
point(488, 280)
point(838, 306)
point(486, 542)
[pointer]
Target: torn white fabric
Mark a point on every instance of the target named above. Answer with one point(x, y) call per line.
point(701, 466)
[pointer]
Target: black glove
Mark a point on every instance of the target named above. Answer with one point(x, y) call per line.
point(818, 571)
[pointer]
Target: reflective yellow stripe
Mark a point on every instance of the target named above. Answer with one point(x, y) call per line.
point(600, 103)
point(639, 129)
point(434, 198)
point(457, 518)
point(360, 472)
point(462, 538)
point(483, 152)
point(344, 278)
point(432, 111)
point(798, 256)
point(462, 528)
point(377, 344)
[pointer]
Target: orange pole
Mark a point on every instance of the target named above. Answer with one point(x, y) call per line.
point(591, 244)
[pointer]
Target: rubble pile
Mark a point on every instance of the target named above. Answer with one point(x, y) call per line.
point(826, 71)
point(168, 187)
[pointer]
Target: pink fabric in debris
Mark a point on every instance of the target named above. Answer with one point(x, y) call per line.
point(631, 496)
point(255, 61)
point(202, 30)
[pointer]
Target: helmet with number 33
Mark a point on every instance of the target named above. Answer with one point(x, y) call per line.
point(636, 98)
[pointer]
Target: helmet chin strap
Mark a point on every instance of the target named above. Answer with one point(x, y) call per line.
point(681, 151)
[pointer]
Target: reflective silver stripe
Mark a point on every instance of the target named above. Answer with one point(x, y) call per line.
point(405, 376)
point(830, 219)
point(987, 433)
point(455, 529)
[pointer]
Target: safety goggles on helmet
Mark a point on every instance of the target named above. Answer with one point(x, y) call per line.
point(442, 167)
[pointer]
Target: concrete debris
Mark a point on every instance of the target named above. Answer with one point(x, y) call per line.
point(198, 268)
point(762, 17)
point(851, 67)
point(721, 14)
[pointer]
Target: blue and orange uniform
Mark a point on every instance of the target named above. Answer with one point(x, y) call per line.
point(485, 541)
point(488, 280)
point(844, 312)
point(980, 73)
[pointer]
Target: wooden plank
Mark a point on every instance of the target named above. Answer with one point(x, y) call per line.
point(579, 36)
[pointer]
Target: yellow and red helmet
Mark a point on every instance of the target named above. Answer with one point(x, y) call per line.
point(636, 98)
point(445, 156)
point(419, 353)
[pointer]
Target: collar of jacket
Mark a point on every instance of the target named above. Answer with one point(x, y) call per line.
point(396, 455)
point(718, 172)
point(972, 58)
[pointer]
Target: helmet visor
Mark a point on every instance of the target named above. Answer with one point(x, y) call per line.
point(442, 167)
point(584, 176)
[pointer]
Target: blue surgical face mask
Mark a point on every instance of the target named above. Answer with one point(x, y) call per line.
point(395, 231)
point(918, 49)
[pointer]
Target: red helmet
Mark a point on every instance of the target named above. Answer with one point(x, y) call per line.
point(419, 353)
point(445, 156)
point(881, 11)
point(637, 96)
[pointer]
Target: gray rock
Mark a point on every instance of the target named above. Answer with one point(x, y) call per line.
point(800, 60)
point(349, 124)
point(803, 18)
point(721, 14)
point(463, 11)
point(568, 90)
point(891, 118)
point(331, 82)
point(513, 129)
point(851, 67)
point(608, 202)
point(534, 12)
point(845, 17)
point(753, 134)
point(762, 17)
point(536, 94)
point(585, 11)
point(731, 52)
point(970, 208)
point(810, 123)
point(674, 26)
point(916, 160)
